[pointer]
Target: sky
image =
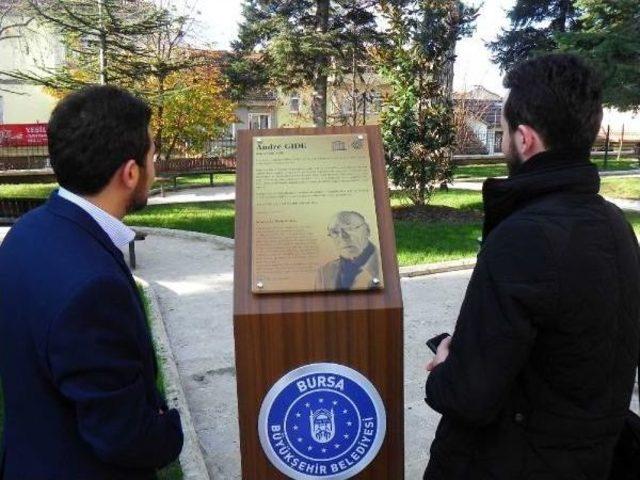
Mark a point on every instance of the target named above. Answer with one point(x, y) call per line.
point(473, 64)
point(219, 21)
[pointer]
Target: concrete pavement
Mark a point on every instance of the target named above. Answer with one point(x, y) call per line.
point(191, 195)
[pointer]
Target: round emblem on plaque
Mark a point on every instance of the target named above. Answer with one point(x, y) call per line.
point(322, 421)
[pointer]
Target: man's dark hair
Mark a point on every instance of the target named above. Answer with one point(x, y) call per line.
point(93, 132)
point(559, 96)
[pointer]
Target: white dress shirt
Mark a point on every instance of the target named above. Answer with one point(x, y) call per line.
point(117, 231)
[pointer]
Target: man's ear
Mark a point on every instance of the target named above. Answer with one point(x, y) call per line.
point(528, 142)
point(130, 174)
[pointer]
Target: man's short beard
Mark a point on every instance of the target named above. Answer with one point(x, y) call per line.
point(512, 158)
point(140, 195)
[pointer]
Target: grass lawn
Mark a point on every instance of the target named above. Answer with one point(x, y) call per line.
point(417, 242)
point(613, 164)
point(459, 199)
point(43, 190)
point(621, 187)
point(216, 218)
point(32, 190)
point(480, 171)
point(634, 220)
point(499, 170)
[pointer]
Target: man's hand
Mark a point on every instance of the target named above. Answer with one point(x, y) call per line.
point(441, 354)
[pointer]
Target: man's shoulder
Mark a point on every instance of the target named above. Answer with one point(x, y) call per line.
point(521, 248)
point(554, 215)
point(45, 248)
point(42, 228)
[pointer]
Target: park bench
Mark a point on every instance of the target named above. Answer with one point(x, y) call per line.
point(173, 168)
point(11, 209)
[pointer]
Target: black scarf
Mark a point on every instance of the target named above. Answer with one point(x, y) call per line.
point(553, 171)
point(349, 269)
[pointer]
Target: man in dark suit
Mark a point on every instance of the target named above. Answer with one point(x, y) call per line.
point(76, 359)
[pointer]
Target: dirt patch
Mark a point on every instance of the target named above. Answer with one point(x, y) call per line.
point(436, 213)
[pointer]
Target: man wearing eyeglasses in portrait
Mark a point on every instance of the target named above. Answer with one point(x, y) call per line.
point(358, 263)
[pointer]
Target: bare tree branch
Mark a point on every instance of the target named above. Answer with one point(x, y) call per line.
point(13, 19)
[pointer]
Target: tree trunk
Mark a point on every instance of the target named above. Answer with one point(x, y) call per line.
point(171, 147)
point(564, 15)
point(364, 107)
point(454, 22)
point(160, 115)
point(354, 89)
point(319, 103)
point(102, 54)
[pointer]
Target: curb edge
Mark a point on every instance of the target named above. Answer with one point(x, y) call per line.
point(191, 458)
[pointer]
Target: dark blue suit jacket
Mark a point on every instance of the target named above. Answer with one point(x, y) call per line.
point(76, 359)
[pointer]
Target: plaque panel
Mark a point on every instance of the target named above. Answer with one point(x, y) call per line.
point(314, 223)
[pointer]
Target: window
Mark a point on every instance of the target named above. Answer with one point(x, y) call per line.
point(375, 103)
point(373, 99)
point(347, 105)
point(294, 103)
point(259, 121)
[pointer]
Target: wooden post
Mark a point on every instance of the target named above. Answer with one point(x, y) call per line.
point(278, 333)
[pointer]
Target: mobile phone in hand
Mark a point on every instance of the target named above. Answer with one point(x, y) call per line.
point(433, 343)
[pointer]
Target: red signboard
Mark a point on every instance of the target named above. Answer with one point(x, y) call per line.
point(23, 135)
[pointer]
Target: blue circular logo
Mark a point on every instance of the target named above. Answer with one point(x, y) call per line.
point(322, 420)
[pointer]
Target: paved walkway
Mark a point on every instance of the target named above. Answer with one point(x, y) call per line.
point(204, 194)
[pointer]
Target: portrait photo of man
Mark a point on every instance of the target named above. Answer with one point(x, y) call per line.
point(358, 264)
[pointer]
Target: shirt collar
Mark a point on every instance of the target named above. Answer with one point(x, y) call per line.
point(118, 232)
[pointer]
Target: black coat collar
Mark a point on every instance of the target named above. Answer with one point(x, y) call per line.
point(543, 174)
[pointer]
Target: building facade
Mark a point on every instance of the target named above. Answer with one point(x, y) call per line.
point(480, 130)
point(32, 49)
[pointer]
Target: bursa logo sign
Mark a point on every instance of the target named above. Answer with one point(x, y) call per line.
point(322, 421)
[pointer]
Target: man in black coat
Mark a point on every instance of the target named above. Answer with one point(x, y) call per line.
point(537, 378)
